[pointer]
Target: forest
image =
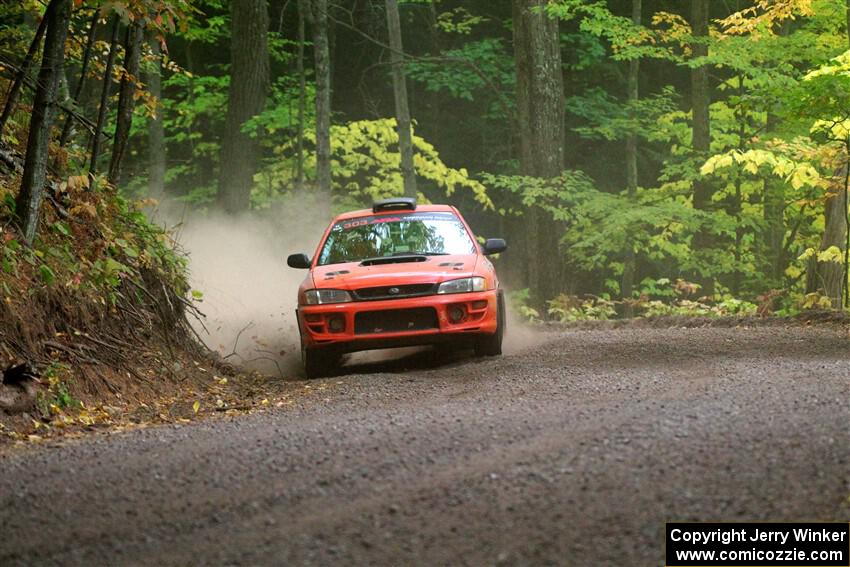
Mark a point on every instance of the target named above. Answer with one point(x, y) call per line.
point(654, 325)
point(641, 157)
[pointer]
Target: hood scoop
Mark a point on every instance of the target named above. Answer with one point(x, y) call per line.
point(332, 275)
point(407, 258)
point(453, 265)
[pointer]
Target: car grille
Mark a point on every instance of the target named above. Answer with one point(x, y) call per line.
point(394, 291)
point(395, 320)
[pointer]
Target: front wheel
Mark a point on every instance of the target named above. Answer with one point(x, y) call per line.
point(318, 363)
point(491, 345)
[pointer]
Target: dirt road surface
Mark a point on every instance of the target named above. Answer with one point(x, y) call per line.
point(574, 452)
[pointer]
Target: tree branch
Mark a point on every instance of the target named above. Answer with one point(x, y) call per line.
point(431, 59)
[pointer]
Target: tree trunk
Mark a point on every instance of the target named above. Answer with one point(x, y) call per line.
point(540, 112)
point(700, 101)
point(631, 169)
point(434, 96)
point(302, 103)
point(249, 79)
point(830, 278)
point(104, 97)
point(843, 197)
point(317, 14)
point(78, 89)
point(28, 203)
point(402, 112)
point(23, 71)
point(774, 207)
point(126, 98)
point(827, 278)
point(156, 128)
point(774, 235)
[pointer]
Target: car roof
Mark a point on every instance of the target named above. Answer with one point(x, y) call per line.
point(419, 209)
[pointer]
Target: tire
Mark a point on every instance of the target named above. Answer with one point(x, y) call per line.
point(318, 363)
point(491, 345)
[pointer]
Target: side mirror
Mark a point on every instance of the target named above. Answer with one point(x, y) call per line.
point(494, 246)
point(300, 261)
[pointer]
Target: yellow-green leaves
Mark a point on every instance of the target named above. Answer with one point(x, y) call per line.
point(832, 254)
point(764, 15)
point(798, 174)
point(366, 162)
point(460, 21)
point(837, 66)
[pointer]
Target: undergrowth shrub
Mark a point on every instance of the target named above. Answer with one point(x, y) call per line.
point(100, 285)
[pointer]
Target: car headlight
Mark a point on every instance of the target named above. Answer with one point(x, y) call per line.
point(464, 285)
point(321, 296)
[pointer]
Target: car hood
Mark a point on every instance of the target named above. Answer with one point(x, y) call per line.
point(352, 275)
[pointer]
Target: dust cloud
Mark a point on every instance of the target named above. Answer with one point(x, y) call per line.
point(519, 335)
point(249, 299)
point(239, 264)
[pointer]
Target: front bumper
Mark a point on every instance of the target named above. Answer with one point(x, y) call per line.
point(408, 321)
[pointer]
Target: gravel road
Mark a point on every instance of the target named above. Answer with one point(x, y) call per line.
point(574, 452)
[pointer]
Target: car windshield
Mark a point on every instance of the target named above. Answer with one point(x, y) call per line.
point(381, 236)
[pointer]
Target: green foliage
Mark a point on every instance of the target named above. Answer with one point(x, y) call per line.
point(46, 274)
point(569, 308)
point(57, 396)
point(627, 40)
point(759, 162)
point(608, 119)
point(96, 260)
point(467, 72)
point(815, 301)
point(209, 24)
point(193, 116)
point(366, 164)
point(780, 122)
point(663, 297)
point(823, 97)
point(281, 112)
point(599, 225)
point(729, 307)
point(459, 21)
point(519, 301)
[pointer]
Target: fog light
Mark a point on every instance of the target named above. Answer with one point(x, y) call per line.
point(456, 313)
point(481, 304)
point(336, 324)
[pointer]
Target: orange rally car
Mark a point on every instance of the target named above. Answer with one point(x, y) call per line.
point(398, 275)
